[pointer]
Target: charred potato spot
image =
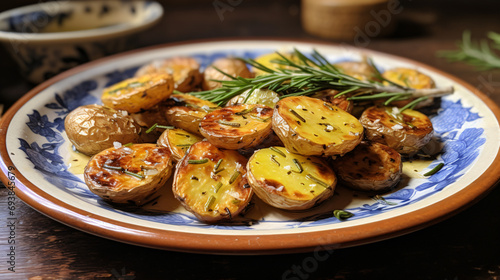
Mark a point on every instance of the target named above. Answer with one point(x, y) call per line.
point(178, 141)
point(370, 167)
point(406, 131)
point(310, 126)
point(128, 174)
point(231, 66)
point(210, 182)
point(342, 102)
point(137, 94)
point(188, 111)
point(237, 127)
point(290, 181)
point(184, 70)
point(93, 128)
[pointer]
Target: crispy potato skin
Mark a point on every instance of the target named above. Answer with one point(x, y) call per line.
point(370, 167)
point(327, 130)
point(406, 136)
point(187, 112)
point(177, 141)
point(228, 65)
point(253, 127)
point(276, 180)
point(138, 94)
point(195, 184)
point(184, 70)
point(149, 160)
point(93, 128)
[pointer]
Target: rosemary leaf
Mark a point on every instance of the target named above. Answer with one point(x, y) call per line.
point(342, 214)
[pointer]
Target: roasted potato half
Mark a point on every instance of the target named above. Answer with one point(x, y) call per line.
point(369, 167)
point(360, 70)
point(237, 127)
point(129, 174)
point(178, 141)
point(138, 94)
point(188, 111)
point(411, 78)
point(290, 181)
point(184, 70)
point(211, 182)
point(267, 61)
point(229, 65)
point(310, 126)
point(406, 131)
point(93, 128)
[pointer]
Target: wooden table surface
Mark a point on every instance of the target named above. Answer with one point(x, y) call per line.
point(465, 246)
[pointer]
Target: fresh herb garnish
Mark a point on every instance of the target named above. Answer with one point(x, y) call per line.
point(307, 77)
point(435, 169)
point(478, 54)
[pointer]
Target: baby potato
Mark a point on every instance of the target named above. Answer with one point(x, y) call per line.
point(406, 131)
point(407, 77)
point(266, 60)
point(228, 65)
point(410, 78)
point(369, 167)
point(129, 174)
point(290, 181)
point(93, 128)
point(188, 111)
point(237, 127)
point(360, 70)
point(177, 141)
point(211, 182)
point(309, 126)
point(138, 94)
point(184, 70)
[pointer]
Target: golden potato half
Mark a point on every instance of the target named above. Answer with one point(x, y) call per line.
point(369, 167)
point(188, 111)
point(178, 141)
point(290, 181)
point(184, 70)
point(129, 174)
point(310, 126)
point(229, 65)
point(138, 94)
point(93, 128)
point(211, 182)
point(237, 127)
point(406, 132)
point(360, 70)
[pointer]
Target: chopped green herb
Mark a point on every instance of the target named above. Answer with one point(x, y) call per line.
point(316, 180)
point(155, 126)
point(235, 176)
point(233, 124)
point(434, 170)
point(297, 115)
point(197, 161)
point(276, 150)
point(218, 186)
point(299, 166)
point(209, 203)
point(273, 158)
point(342, 214)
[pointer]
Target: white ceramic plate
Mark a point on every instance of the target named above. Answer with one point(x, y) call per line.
point(36, 152)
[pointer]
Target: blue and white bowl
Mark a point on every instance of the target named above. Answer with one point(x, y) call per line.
point(50, 37)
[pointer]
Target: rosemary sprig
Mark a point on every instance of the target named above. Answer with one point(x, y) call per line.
point(478, 54)
point(309, 76)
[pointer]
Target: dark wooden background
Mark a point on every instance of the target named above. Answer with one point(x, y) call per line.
point(465, 246)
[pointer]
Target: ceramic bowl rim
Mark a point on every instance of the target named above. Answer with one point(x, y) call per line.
point(107, 32)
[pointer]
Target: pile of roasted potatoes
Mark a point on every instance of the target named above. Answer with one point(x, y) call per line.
point(290, 152)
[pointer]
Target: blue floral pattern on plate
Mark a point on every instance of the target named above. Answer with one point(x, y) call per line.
point(462, 146)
